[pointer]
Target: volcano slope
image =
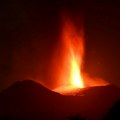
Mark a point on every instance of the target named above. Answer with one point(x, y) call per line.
point(30, 100)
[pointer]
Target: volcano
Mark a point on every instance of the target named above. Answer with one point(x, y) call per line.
point(30, 100)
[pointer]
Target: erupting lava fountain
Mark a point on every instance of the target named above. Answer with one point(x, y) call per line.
point(71, 77)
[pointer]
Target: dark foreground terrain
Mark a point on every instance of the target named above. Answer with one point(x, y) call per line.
point(28, 100)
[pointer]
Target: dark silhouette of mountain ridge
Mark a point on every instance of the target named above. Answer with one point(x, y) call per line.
point(29, 99)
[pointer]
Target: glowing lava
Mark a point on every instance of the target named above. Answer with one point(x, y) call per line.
point(75, 76)
point(72, 47)
point(69, 74)
point(73, 53)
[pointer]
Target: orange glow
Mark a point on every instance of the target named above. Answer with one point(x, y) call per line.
point(75, 73)
point(72, 54)
point(69, 73)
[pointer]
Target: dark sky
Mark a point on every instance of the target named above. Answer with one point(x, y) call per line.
point(29, 33)
point(102, 30)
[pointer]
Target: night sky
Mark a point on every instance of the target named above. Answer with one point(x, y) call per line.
point(30, 32)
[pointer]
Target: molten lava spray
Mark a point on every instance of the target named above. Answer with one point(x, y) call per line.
point(72, 56)
point(70, 74)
